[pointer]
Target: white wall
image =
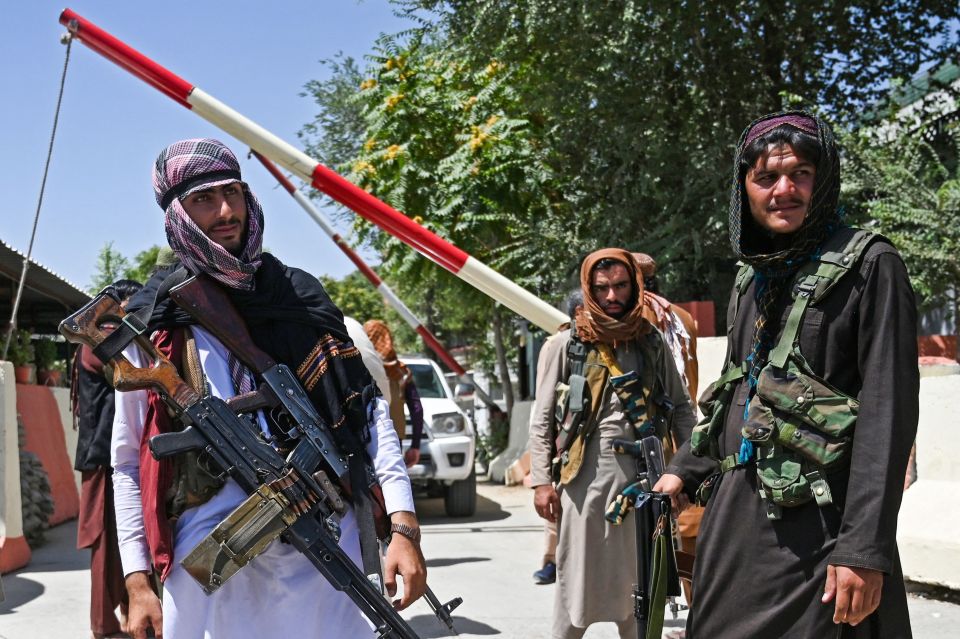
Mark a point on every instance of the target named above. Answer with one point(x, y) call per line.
point(11, 512)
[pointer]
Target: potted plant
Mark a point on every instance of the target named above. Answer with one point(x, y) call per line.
point(45, 358)
point(21, 355)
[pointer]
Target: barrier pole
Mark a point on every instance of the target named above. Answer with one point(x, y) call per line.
point(424, 241)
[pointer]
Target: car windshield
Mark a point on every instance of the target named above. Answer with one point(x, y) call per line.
point(427, 381)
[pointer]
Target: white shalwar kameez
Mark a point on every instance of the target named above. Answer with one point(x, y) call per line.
point(280, 594)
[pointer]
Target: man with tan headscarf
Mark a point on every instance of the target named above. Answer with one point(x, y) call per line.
point(402, 390)
point(628, 371)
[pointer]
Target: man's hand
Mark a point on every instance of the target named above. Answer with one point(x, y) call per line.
point(857, 591)
point(404, 558)
point(546, 501)
point(144, 610)
point(673, 486)
point(411, 457)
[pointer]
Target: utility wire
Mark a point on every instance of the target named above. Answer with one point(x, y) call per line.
point(66, 39)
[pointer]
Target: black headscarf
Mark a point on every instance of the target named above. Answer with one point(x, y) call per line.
point(289, 314)
point(749, 242)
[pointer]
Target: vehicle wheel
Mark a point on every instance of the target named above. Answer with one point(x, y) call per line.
point(460, 499)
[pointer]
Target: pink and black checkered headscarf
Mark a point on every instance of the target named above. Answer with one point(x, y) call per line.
point(191, 165)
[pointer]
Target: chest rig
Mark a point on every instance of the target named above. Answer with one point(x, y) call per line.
point(580, 395)
point(800, 425)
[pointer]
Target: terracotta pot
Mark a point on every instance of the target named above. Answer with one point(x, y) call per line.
point(23, 374)
point(48, 378)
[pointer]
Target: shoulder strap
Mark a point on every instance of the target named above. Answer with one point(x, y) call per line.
point(135, 324)
point(742, 283)
point(815, 280)
point(576, 351)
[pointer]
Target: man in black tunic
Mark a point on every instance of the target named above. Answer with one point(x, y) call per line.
point(91, 394)
point(827, 570)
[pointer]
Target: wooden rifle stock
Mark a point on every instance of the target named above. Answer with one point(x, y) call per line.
point(90, 326)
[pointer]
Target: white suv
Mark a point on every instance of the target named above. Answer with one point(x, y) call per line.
point(447, 447)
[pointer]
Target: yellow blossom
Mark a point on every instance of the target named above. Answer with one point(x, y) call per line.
point(369, 144)
point(469, 103)
point(493, 119)
point(392, 151)
point(369, 83)
point(391, 63)
point(362, 167)
point(392, 100)
point(418, 219)
point(493, 67)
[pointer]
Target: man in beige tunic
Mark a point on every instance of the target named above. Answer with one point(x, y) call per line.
point(596, 560)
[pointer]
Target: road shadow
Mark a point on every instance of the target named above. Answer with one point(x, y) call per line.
point(453, 561)
point(18, 590)
point(430, 511)
point(429, 627)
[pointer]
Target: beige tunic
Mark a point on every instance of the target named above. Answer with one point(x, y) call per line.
point(596, 561)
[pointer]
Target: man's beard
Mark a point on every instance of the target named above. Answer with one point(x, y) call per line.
point(618, 315)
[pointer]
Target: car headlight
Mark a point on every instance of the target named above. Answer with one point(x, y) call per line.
point(447, 424)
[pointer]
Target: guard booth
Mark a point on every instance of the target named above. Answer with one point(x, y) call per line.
point(44, 411)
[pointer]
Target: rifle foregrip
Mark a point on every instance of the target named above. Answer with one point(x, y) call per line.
point(205, 301)
point(627, 447)
point(169, 444)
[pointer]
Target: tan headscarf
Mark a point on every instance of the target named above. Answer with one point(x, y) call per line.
point(593, 325)
point(382, 339)
point(648, 266)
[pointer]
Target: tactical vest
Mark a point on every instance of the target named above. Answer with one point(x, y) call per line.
point(800, 425)
point(579, 399)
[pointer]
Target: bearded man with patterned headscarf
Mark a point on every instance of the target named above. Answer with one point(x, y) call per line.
point(629, 376)
point(214, 225)
point(814, 414)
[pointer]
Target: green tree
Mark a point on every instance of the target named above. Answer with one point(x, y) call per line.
point(442, 143)
point(357, 298)
point(641, 101)
point(111, 266)
point(901, 187)
point(144, 264)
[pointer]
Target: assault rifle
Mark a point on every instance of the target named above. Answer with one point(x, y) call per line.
point(282, 393)
point(289, 496)
point(657, 576)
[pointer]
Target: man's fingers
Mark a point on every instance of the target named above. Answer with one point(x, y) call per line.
point(855, 615)
point(390, 578)
point(842, 609)
point(830, 589)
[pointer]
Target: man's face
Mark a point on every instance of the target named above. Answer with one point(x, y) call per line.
point(221, 213)
point(779, 188)
point(612, 289)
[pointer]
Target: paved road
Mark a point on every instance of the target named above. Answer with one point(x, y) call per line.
point(487, 559)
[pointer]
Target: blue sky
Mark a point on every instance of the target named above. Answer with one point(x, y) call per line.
point(254, 56)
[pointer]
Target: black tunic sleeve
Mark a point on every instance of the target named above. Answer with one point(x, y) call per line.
point(887, 420)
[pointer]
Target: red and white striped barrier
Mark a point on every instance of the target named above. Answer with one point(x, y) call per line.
point(427, 243)
point(388, 295)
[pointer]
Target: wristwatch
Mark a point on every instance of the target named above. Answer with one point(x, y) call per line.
point(411, 533)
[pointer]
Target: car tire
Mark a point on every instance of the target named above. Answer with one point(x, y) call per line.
point(460, 500)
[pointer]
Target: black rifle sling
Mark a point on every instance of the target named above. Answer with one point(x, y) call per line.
point(363, 507)
point(135, 324)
